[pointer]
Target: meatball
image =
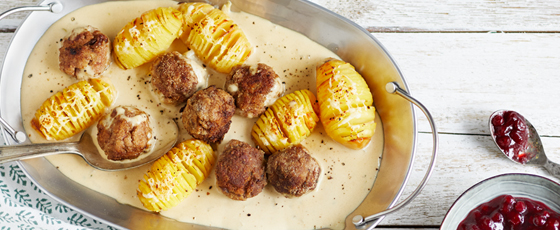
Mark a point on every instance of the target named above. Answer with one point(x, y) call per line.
point(240, 171)
point(124, 133)
point(85, 53)
point(254, 88)
point(292, 171)
point(207, 115)
point(175, 77)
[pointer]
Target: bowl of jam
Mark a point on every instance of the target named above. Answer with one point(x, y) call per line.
point(508, 201)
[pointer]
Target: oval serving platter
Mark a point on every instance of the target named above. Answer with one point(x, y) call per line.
point(345, 38)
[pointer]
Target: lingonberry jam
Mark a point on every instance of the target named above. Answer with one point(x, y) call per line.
point(506, 212)
point(511, 135)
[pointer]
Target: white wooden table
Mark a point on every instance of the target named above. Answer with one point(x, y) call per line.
point(463, 59)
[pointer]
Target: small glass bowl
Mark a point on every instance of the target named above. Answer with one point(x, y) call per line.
point(516, 184)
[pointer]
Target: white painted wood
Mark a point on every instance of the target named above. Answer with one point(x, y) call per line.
point(463, 77)
point(12, 21)
point(463, 161)
point(4, 42)
point(449, 15)
point(423, 15)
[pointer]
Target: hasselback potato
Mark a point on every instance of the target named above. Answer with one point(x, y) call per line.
point(214, 37)
point(287, 122)
point(147, 36)
point(346, 104)
point(175, 175)
point(74, 109)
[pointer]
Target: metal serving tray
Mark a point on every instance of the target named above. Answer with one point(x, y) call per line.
point(348, 40)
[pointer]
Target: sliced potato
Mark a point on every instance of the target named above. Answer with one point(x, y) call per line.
point(214, 37)
point(147, 36)
point(74, 109)
point(287, 122)
point(175, 175)
point(346, 104)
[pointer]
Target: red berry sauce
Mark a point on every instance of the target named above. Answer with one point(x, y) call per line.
point(511, 135)
point(506, 212)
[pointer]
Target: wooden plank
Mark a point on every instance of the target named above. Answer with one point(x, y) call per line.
point(420, 16)
point(463, 161)
point(5, 39)
point(462, 78)
point(449, 15)
point(11, 22)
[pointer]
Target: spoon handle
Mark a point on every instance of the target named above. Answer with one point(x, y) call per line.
point(553, 168)
point(20, 152)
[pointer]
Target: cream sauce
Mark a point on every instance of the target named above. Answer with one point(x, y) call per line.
point(346, 177)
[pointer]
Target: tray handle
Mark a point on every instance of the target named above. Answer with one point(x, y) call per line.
point(54, 7)
point(359, 221)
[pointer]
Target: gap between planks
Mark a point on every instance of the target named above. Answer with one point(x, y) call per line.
point(11, 28)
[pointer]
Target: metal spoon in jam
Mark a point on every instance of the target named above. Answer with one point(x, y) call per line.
point(518, 140)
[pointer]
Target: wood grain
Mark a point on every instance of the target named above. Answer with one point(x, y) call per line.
point(450, 15)
point(418, 16)
point(4, 42)
point(10, 23)
point(462, 78)
point(463, 161)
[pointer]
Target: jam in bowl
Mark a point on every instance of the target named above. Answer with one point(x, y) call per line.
point(508, 212)
point(507, 201)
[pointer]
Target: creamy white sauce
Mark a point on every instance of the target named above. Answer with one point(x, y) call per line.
point(275, 92)
point(346, 177)
point(198, 68)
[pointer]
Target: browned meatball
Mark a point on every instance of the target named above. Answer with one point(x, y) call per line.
point(254, 88)
point(174, 77)
point(124, 133)
point(240, 172)
point(85, 53)
point(292, 171)
point(207, 115)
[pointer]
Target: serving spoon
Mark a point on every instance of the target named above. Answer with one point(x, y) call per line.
point(86, 148)
point(525, 146)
